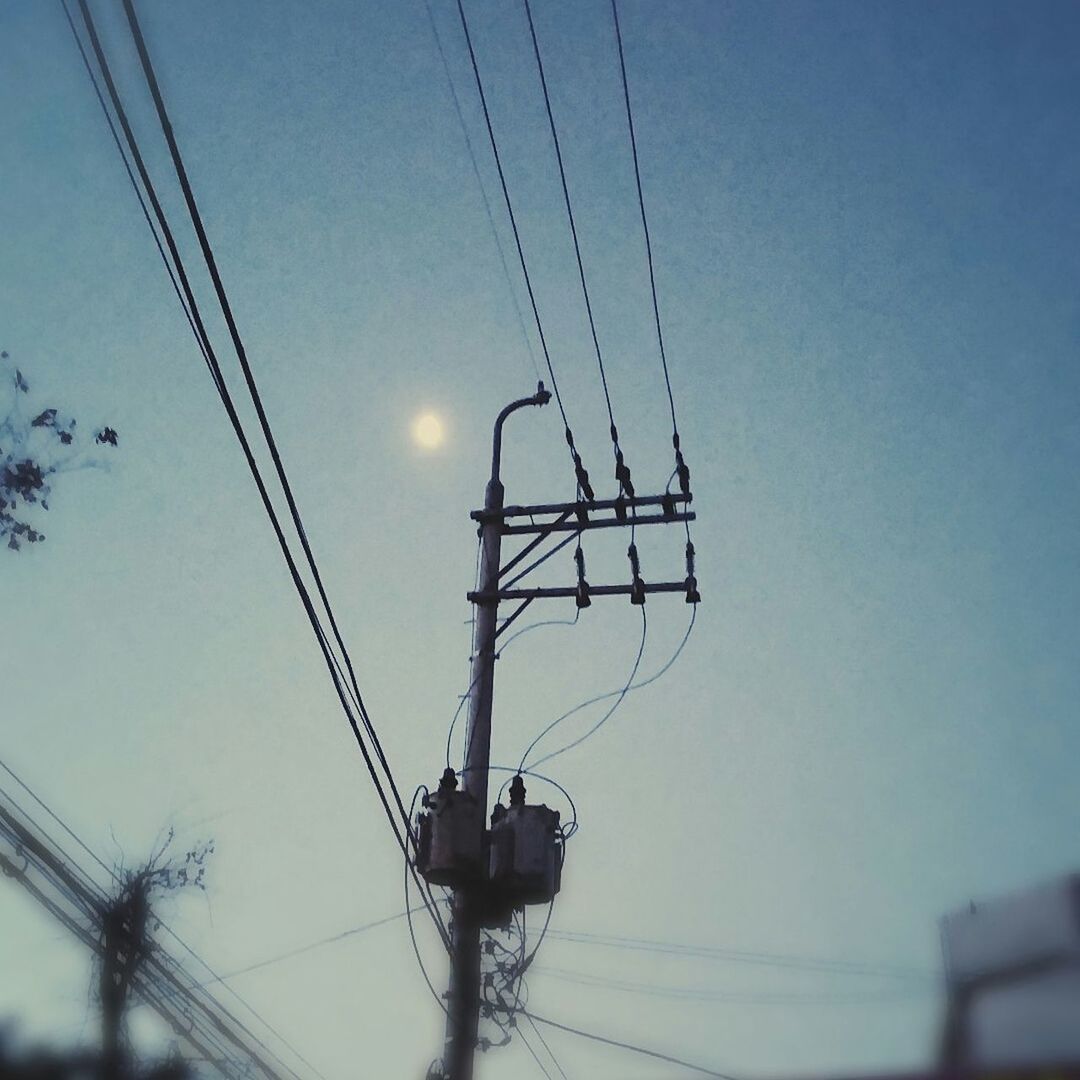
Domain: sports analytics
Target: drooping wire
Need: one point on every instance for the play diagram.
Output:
(480, 184)
(620, 694)
(703, 1069)
(537, 626)
(622, 472)
(579, 469)
(569, 829)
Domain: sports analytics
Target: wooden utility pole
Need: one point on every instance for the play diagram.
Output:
(473, 893)
(463, 996)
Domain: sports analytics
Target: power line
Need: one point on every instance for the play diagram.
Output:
(534, 1054)
(645, 224)
(249, 378)
(544, 1043)
(332, 939)
(704, 1070)
(480, 184)
(622, 471)
(620, 696)
(333, 665)
(134, 184)
(579, 468)
(824, 965)
(705, 995)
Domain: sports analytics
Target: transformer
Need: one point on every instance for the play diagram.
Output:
(450, 836)
(525, 853)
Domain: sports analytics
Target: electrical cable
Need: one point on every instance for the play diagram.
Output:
(249, 378)
(704, 1070)
(340, 685)
(134, 183)
(480, 184)
(579, 468)
(706, 996)
(573, 826)
(300, 950)
(544, 1043)
(535, 1056)
(537, 625)
(822, 965)
(645, 225)
(620, 695)
(622, 472)
(615, 693)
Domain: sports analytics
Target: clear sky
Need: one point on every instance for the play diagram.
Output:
(864, 220)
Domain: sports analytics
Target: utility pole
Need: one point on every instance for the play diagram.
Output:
(454, 844)
(463, 997)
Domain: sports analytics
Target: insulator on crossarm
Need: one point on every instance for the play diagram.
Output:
(622, 475)
(582, 597)
(637, 587)
(583, 478)
(692, 594)
(683, 471)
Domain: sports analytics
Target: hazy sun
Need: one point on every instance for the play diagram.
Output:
(427, 431)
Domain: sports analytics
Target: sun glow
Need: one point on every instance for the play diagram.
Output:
(427, 431)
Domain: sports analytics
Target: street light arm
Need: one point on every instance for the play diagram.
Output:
(541, 397)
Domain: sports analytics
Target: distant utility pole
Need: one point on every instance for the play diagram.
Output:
(457, 849)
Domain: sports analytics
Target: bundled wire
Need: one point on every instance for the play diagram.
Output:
(346, 687)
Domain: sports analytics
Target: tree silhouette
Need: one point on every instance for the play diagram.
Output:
(33, 450)
(126, 937)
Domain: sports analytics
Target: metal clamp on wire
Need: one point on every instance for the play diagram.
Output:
(692, 594)
(582, 598)
(637, 588)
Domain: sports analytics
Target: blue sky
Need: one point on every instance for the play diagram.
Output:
(864, 219)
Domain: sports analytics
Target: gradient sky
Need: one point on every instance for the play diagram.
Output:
(864, 219)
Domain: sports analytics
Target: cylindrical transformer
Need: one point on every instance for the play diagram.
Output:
(525, 856)
(450, 840)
